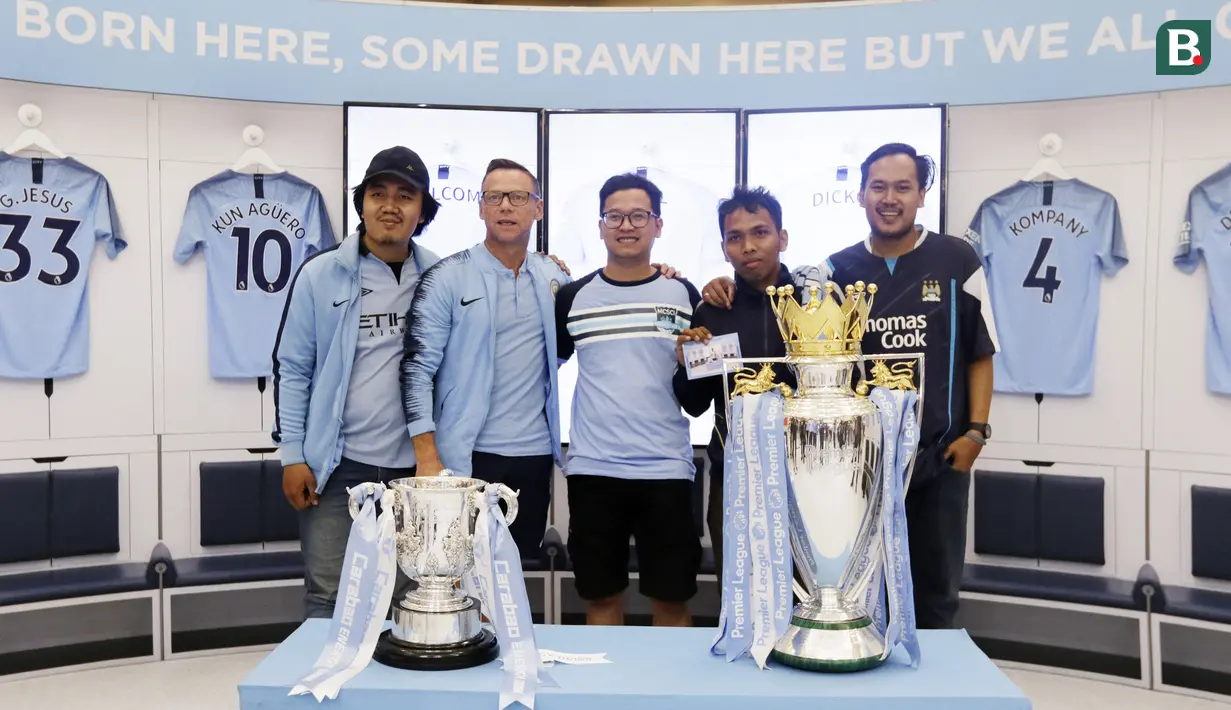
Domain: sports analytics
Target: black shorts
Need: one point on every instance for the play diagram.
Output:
(604, 512)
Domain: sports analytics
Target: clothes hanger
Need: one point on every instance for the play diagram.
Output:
(1047, 167)
(33, 139)
(255, 156)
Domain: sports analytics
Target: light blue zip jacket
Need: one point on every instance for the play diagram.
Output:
(452, 346)
(314, 353)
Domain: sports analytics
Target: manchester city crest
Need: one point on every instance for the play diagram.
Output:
(931, 291)
(555, 287)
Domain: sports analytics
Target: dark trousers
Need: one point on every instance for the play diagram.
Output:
(530, 477)
(324, 530)
(936, 511)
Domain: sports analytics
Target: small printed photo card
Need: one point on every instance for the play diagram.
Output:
(705, 360)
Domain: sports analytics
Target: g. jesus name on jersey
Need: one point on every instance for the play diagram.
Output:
(1206, 235)
(256, 231)
(52, 211)
(1043, 245)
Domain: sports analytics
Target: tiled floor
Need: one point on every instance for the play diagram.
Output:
(210, 684)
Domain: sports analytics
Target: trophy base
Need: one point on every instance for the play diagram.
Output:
(830, 635)
(392, 651)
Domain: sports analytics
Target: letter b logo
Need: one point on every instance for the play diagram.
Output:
(1182, 47)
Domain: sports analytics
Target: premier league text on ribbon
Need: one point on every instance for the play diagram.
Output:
(243, 41)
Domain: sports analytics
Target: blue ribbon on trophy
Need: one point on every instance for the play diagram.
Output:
(757, 564)
(369, 575)
(900, 438)
(497, 581)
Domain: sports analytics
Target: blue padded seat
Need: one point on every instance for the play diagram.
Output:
(1071, 519)
(1031, 583)
(230, 502)
(1211, 529)
(25, 509)
(1198, 604)
(279, 520)
(85, 512)
(77, 582)
(1006, 514)
(73, 582)
(234, 569)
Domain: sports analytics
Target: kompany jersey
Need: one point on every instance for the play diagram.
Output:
(930, 300)
(255, 230)
(626, 421)
(52, 211)
(1206, 235)
(691, 241)
(1045, 246)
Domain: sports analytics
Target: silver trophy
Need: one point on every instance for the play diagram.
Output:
(436, 627)
(833, 442)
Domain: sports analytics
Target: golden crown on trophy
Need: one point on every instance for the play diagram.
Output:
(823, 326)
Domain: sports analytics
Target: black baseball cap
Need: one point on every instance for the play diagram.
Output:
(400, 162)
(405, 164)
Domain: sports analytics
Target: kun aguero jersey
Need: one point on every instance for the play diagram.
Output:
(691, 241)
(930, 300)
(255, 230)
(52, 211)
(1206, 234)
(1043, 245)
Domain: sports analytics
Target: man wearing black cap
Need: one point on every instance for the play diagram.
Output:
(339, 418)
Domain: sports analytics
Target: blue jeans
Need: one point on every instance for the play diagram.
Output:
(324, 530)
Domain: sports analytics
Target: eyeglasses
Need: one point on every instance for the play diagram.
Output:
(517, 198)
(637, 218)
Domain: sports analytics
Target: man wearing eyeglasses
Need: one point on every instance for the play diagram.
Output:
(479, 359)
(630, 464)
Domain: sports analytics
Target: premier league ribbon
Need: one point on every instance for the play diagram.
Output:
(900, 437)
(757, 588)
(369, 575)
(497, 578)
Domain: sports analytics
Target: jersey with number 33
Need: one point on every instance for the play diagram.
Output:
(256, 231)
(1044, 246)
(52, 213)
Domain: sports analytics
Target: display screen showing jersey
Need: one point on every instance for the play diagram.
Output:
(255, 230)
(1045, 247)
(1206, 235)
(810, 161)
(456, 145)
(689, 156)
(52, 212)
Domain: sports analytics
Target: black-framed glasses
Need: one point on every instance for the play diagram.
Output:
(517, 198)
(637, 218)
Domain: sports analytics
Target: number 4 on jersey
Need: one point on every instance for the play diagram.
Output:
(1048, 283)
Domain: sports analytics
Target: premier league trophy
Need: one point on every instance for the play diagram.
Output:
(846, 451)
(435, 627)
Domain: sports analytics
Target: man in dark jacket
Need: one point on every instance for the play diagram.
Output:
(753, 239)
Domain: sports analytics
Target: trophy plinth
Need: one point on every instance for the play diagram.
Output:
(436, 627)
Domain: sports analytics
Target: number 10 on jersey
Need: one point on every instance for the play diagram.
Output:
(250, 256)
(1048, 282)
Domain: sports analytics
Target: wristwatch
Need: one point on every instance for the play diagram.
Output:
(984, 430)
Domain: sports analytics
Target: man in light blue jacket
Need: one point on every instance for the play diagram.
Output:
(479, 370)
(339, 418)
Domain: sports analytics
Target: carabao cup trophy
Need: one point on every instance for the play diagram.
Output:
(443, 532)
(436, 627)
(846, 450)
